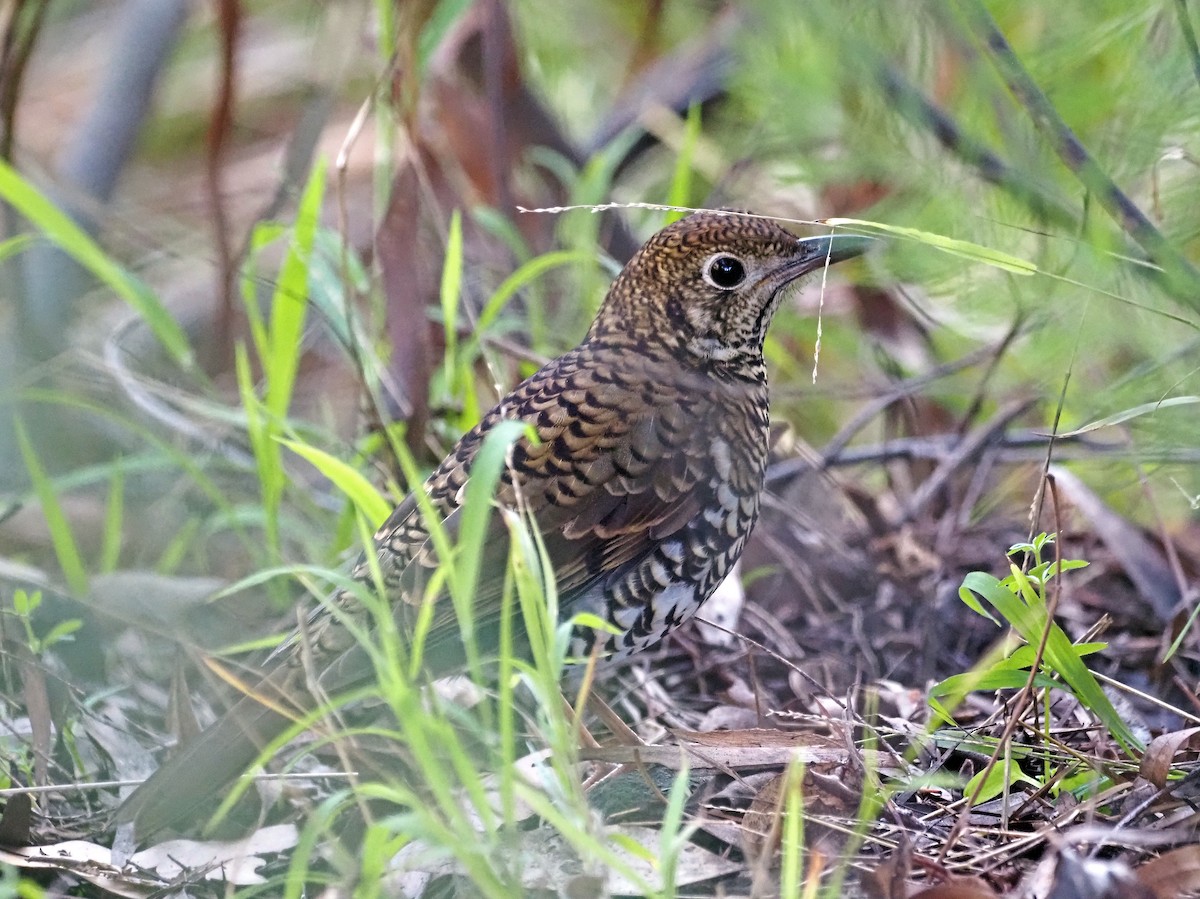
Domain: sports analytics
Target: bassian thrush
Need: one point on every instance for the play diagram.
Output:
(644, 483)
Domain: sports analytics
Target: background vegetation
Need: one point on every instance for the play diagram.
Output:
(262, 264)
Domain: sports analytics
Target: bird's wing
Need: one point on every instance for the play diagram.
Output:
(601, 499)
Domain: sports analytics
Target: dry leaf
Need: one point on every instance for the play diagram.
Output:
(1160, 754)
(1173, 875)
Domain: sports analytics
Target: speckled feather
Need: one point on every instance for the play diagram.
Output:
(630, 496)
(646, 476)
(644, 482)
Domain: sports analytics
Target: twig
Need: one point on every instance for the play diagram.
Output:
(904, 389)
(1013, 448)
(20, 33)
(220, 127)
(968, 449)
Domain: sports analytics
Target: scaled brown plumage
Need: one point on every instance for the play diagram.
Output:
(644, 483)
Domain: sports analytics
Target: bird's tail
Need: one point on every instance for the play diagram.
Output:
(181, 789)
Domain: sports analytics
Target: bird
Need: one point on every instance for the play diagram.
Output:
(644, 483)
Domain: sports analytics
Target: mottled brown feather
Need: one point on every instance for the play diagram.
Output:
(644, 482)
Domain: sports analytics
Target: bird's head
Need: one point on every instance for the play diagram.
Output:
(709, 284)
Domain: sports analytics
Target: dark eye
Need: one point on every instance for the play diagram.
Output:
(726, 272)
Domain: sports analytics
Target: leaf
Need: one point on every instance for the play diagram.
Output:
(1060, 655)
(1174, 873)
(24, 603)
(61, 631)
(976, 606)
(1022, 656)
(1160, 754)
(996, 779)
(114, 513)
(994, 679)
(594, 622)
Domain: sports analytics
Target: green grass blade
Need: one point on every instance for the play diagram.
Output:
(1184, 632)
(675, 833)
(680, 192)
(477, 511)
(114, 516)
(15, 245)
(525, 275)
(1127, 414)
(962, 248)
(457, 369)
(792, 838)
(60, 229)
(65, 547)
(374, 507)
(263, 235)
(271, 478)
(290, 302)
(443, 17)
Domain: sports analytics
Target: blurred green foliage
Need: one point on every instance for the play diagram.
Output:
(809, 117)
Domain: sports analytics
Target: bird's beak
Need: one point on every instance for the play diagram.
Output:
(815, 252)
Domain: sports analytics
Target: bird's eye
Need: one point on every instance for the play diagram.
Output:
(725, 272)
